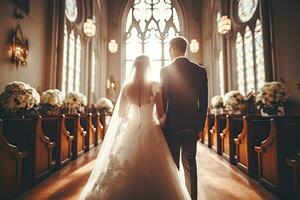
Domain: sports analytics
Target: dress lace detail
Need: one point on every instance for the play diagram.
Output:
(139, 165)
(155, 89)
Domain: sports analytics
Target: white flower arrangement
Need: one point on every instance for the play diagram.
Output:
(271, 97)
(217, 105)
(104, 104)
(217, 102)
(75, 101)
(51, 101)
(233, 101)
(53, 97)
(19, 98)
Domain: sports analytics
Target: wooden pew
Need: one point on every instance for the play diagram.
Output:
(74, 127)
(10, 168)
(90, 139)
(104, 119)
(219, 125)
(294, 164)
(29, 136)
(99, 128)
(54, 127)
(282, 143)
(206, 136)
(255, 129)
(234, 125)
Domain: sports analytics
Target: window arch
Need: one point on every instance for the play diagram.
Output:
(71, 66)
(220, 57)
(249, 53)
(150, 25)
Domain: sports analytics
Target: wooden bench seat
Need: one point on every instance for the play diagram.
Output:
(28, 135)
(90, 139)
(54, 127)
(255, 130)
(283, 142)
(206, 135)
(73, 125)
(219, 125)
(99, 128)
(294, 164)
(234, 125)
(10, 168)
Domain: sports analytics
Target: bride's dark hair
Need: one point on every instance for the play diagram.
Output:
(138, 90)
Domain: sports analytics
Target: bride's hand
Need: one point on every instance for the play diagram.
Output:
(162, 120)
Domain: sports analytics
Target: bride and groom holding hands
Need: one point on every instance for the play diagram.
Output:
(151, 124)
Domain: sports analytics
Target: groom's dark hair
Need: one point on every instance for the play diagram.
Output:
(179, 43)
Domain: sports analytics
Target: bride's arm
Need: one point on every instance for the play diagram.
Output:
(159, 107)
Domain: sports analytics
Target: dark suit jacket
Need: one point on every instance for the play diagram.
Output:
(184, 90)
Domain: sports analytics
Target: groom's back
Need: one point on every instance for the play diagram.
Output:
(185, 86)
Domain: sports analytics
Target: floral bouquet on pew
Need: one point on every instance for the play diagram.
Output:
(233, 102)
(51, 102)
(74, 102)
(271, 98)
(19, 100)
(104, 105)
(217, 105)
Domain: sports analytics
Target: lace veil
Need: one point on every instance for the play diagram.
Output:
(134, 87)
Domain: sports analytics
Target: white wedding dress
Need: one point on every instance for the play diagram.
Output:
(134, 162)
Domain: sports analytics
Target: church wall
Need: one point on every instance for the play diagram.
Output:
(286, 35)
(34, 28)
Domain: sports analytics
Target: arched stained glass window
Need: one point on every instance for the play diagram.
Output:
(249, 62)
(246, 9)
(240, 62)
(149, 27)
(259, 55)
(71, 66)
(249, 46)
(221, 73)
(71, 10)
(78, 64)
(93, 77)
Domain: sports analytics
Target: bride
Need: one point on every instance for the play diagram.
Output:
(134, 162)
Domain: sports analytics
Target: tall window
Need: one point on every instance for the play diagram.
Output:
(72, 50)
(220, 58)
(150, 25)
(249, 47)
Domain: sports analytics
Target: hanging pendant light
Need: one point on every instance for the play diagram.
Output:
(224, 24)
(89, 28)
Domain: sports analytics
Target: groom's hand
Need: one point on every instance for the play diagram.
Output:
(199, 135)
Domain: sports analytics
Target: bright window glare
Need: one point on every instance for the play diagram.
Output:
(157, 24)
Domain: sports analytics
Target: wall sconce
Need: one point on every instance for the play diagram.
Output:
(224, 24)
(113, 46)
(194, 46)
(89, 28)
(19, 47)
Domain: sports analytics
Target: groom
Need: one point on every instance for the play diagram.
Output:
(184, 89)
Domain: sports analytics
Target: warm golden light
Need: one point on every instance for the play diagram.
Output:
(224, 24)
(89, 28)
(194, 46)
(113, 46)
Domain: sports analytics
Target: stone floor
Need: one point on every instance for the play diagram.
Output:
(216, 180)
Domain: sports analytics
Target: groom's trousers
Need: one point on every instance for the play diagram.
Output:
(186, 140)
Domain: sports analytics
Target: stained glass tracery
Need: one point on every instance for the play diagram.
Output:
(149, 27)
(246, 9)
(71, 66)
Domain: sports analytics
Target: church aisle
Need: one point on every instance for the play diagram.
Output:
(216, 180)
